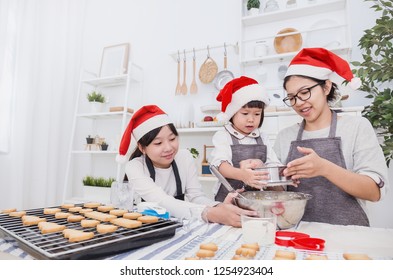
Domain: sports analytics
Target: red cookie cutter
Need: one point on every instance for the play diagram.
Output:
(299, 240)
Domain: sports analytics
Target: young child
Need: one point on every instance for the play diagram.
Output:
(159, 172)
(242, 145)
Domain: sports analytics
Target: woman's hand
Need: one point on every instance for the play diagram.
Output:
(310, 165)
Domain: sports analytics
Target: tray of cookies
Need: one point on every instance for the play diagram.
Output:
(83, 231)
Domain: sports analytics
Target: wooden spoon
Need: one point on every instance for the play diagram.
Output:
(178, 86)
(184, 88)
(193, 86)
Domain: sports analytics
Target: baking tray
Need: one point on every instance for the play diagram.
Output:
(55, 246)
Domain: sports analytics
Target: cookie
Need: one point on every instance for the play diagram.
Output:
(75, 235)
(85, 210)
(202, 253)
(105, 208)
(49, 227)
(254, 246)
(132, 215)
(51, 211)
(351, 256)
(75, 218)
(9, 210)
(148, 219)
(246, 252)
(67, 205)
(103, 228)
(285, 254)
(316, 257)
(209, 246)
(126, 223)
(29, 220)
(17, 214)
(103, 217)
(89, 223)
(62, 215)
(75, 209)
(118, 212)
(91, 204)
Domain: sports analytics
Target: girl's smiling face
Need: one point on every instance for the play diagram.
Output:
(247, 119)
(163, 148)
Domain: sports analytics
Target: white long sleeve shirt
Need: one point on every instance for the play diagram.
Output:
(164, 188)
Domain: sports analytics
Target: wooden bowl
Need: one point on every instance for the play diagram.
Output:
(288, 43)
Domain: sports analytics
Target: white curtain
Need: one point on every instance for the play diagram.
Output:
(42, 78)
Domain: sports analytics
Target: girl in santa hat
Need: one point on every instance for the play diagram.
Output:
(159, 172)
(337, 159)
(242, 146)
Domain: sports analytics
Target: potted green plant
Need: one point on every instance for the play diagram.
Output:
(376, 74)
(104, 146)
(97, 188)
(194, 152)
(253, 7)
(97, 100)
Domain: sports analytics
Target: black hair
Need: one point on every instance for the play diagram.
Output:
(255, 104)
(333, 94)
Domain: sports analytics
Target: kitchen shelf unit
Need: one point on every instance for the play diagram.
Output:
(265, 27)
(320, 24)
(122, 90)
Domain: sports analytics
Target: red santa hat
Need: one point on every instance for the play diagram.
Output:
(237, 93)
(322, 64)
(143, 121)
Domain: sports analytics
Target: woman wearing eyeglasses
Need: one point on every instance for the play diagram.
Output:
(336, 159)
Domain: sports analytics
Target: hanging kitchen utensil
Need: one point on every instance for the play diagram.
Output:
(184, 88)
(178, 86)
(208, 69)
(224, 76)
(193, 86)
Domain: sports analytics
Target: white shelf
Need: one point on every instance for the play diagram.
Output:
(94, 152)
(287, 57)
(107, 81)
(104, 115)
(278, 15)
(199, 129)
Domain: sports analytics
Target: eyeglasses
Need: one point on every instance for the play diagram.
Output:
(303, 95)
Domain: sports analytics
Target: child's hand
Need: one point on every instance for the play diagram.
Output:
(251, 163)
(255, 178)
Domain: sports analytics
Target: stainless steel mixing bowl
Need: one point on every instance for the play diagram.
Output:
(288, 206)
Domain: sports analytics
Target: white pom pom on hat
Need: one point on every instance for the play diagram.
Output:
(237, 93)
(322, 64)
(143, 121)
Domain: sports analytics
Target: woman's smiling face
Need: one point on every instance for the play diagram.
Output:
(163, 148)
(317, 104)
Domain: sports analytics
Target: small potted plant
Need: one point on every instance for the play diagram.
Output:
(97, 188)
(89, 139)
(104, 146)
(97, 100)
(194, 152)
(253, 7)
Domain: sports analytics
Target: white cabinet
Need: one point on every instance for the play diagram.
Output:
(320, 23)
(124, 91)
